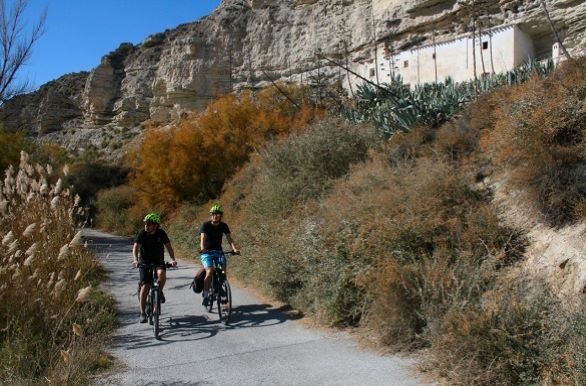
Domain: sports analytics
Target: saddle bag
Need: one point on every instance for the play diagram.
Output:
(197, 283)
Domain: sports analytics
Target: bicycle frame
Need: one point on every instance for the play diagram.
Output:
(220, 293)
(153, 300)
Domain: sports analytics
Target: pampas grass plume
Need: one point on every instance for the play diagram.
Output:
(83, 294)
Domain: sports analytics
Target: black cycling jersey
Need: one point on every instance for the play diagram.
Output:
(214, 233)
(152, 246)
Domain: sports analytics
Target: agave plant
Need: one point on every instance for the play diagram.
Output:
(394, 107)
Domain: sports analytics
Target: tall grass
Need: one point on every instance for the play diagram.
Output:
(52, 315)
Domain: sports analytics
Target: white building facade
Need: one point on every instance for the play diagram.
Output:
(495, 51)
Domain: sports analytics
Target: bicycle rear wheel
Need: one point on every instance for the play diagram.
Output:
(212, 293)
(211, 297)
(225, 302)
(156, 311)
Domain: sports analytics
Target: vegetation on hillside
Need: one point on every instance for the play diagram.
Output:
(539, 137)
(391, 229)
(407, 244)
(191, 161)
(52, 316)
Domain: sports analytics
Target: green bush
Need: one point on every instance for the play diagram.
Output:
(114, 210)
(305, 166)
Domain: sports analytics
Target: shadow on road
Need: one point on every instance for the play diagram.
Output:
(171, 383)
(193, 327)
(116, 254)
(260, 315)
(197, 327)
(173, 329)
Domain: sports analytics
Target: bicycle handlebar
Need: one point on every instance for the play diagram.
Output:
(224, 252)
(151, 265)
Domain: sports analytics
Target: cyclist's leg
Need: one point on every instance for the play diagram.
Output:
(221, 259)
(162, 275)
(144, 290)
(207, 261)
(145, 283)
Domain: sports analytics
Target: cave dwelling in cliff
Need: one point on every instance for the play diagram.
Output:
(494, 51)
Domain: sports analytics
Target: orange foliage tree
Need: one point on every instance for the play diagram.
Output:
(191, 161)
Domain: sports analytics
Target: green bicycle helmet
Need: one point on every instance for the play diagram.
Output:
(152, 217)
(216, 208)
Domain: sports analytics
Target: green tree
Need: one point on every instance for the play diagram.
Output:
(10, 146)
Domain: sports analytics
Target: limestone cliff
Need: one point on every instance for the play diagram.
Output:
(247, 43)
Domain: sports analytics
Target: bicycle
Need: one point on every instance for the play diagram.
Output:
(153, 300)
(220, 292)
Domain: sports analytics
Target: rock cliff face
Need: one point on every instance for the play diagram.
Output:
(248, 43)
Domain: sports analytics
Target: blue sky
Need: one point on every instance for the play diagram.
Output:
(79, 32)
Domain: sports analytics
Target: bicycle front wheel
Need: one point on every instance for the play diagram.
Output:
(149, 308)
(156, 312)
(225, 302)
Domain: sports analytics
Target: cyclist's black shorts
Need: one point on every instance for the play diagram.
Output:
(146, 274)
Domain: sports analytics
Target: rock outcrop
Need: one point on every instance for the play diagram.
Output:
(248, 43)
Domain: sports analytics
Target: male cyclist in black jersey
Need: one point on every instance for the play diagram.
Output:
(211, 233)
(149, 244)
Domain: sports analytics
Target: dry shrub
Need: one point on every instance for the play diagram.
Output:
(271, 195)
(457, 139)
(404, 243)
(46, 279)
(416, 232)
(519, 334)
(417, 222)
(540, 137)
(405, 146)
(191, 161)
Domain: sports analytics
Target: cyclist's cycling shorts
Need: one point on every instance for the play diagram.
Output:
(146, 274)
(211, 258)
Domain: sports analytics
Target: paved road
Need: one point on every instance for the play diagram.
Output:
(263, 345)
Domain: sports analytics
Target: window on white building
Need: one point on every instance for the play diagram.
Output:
(405, 64)
(484, 45)
(371, 72)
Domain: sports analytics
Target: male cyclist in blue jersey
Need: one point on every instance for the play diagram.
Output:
(211, 233)
(149, 247)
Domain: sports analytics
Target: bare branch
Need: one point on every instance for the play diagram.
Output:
(16, 45)
(554, 31)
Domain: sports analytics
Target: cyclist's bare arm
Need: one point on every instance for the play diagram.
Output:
(232, 244)
(202, 238)
(171, 254)
(135, 249)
